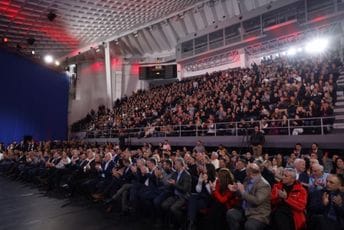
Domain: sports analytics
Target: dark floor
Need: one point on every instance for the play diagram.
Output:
(24, 206)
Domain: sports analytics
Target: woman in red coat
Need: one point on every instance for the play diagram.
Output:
(289, 200)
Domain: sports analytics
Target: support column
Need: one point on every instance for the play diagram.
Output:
(243, 58)
(108, 75)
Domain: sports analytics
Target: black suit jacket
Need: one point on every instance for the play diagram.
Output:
(303, 178)
(108, 171)
(183, 185)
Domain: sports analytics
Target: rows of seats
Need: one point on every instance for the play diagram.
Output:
(190, 188)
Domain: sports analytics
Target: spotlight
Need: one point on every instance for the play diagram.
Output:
(31, 41)
(48, 59)
(51, 16)
(57, 63)
(5, 40)
(317, 45)
(291, 51)
(33, 52)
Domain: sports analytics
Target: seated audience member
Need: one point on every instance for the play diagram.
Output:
(256, 207)
(181, 191)
(224, 199)
(240, 170)
(199, 148)
(317, 180)
(288, 199)
(215, 160)
(326, 206)
(298, 150)
(126, 182)
(327, 162)
(301, 175)
(202, 198)
(266, 173)
(338, 167)
(318, 153)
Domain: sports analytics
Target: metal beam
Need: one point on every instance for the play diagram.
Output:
(146, 41)
(149, 31)
(133, 48)
(163, 35)
(193, 21)
(174, 32)
(108, 75)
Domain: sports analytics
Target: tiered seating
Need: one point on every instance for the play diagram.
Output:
(276, 90)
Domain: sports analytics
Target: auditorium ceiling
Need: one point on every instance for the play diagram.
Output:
(137, 27)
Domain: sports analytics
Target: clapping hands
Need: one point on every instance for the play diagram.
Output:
(282, 194)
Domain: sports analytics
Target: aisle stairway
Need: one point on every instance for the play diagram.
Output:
(339, 106)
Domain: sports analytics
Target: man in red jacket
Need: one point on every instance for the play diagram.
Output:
(289, 200)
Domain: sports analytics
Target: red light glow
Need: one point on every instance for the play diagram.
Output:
(250, 39)
(135, 69)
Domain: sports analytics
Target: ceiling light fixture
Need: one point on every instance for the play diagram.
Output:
(48, 59)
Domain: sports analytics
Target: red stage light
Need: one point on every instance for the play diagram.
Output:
(5, 40)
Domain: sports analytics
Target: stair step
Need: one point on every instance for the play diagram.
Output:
(339, 121)
(339, 110)
(340, 116)
(341, 98)
(338, 125)
(339, 106)
(339, 93)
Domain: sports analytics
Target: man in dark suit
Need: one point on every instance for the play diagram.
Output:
(240, 170)
(301, 175)
(326, 207)
(181, 191)
(256, 207)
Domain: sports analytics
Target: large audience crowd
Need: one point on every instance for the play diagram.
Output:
(272, 92)
(191, 188)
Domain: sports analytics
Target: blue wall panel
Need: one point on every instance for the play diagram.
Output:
(33, 100)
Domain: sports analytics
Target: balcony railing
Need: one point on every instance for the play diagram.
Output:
(311, 126)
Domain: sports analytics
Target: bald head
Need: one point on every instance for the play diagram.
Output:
(333, 182)
(252, 170)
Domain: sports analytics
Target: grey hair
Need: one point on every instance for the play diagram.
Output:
(297, 160)
(319, 166)
(292, 171)
(181, 160)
